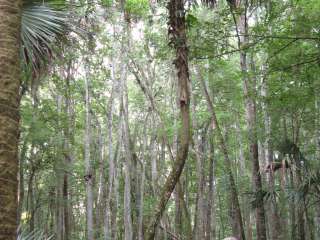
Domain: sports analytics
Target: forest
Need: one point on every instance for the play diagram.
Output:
(159, 120)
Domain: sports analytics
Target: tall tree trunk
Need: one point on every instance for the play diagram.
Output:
(59, 177)
(143, 169)
(150, 97)
(87, 160)
(292, 211)
(245, 201)
(273, 216)
(128, 164)
(110, 193)
(68, 154)
(300, 203)
(10, 14)
(177, 31)
(250, 106)
(127, 167)
(199, 223)
(284, 205)
(30, 198)
(101, 202)
(153, 155)
(22, 159)
(249, 85)
(33, 158)
(178, 213)
(233, 202)
(88, 178)
(115, 191)
(211, 211)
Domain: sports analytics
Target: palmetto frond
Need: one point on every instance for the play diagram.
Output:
(34, 235)
(310, 184)
(41, 27)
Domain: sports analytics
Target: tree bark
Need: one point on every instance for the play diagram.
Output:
(143, 169)
(179, 189)
(199, 226)
(128, 164)
(10, 14)
(59, 177)
(211, 198)
(87, 159)
(245, 201)
(273, 216)
(177, 31)
(68, 152)
(127, 167)
(249, 85)
(111, 176)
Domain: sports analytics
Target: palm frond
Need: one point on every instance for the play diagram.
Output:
(41, 27)
(258, 198)
(312, 179)
(34, 235)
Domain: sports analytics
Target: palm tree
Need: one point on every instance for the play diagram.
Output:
(10, 15)
(33, 29)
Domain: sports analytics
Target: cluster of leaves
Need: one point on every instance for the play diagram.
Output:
(34, 235)
(139, 8)
(43, 24)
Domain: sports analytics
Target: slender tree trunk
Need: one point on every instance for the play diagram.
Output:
(128, 164)
(22, 158)
(10, 11)
(111, 176)
(33, 158)
(143, 162)
(101, 202)
(126, 134)
(178, 217)
(273, 216)
(178, 213)
(149, 95)
(153, 154)
(177, 31)
(87, 160)
(211, 198)
(292, 210)
(31, 207)
(59, 228)
(245, 201)
(309, 223)
(115, 192)
(249, 85)
(89, 181)
(250, 106)
(199, 226)
(127, 169)
(300, 204)
(68, 154)
(284, 204)
(233, 202)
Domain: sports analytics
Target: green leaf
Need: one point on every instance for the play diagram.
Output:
(41, 27)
